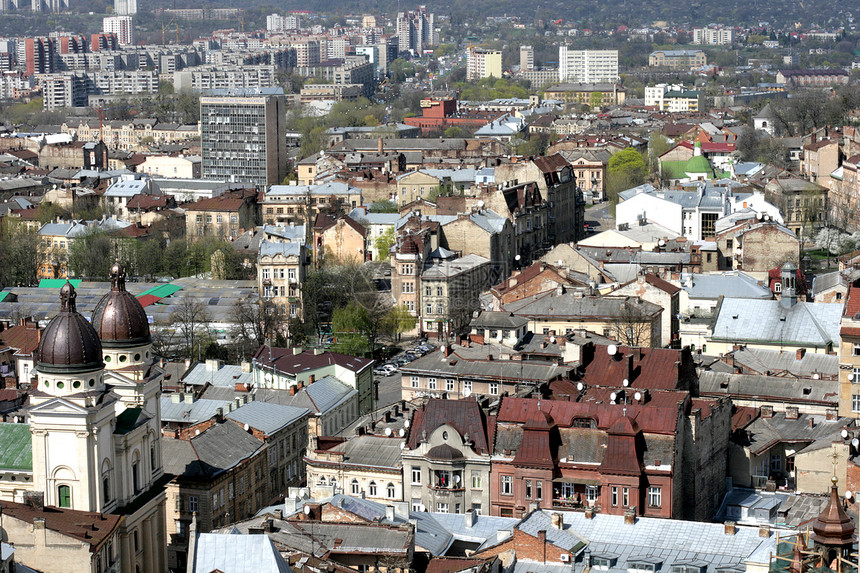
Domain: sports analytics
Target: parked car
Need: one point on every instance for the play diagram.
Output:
(379, 371)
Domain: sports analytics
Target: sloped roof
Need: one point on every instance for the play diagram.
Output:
(268, 418)
(16, 448)
(88, 527)
(237, 554)
(806, 324)
(465, 416)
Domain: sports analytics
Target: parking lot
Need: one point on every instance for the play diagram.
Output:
(389, 386)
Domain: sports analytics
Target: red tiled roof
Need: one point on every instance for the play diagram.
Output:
(31, 214)
(147, 299)
(453, 565)
(653, 368)
(147, 202)
(537, 447)
(527, 274)
(465, 416)
(23, 337)
(661, 284)
(742, 416)
(549, 163)
(132, 231)
(89, 527)
(852, 302)
(717, 147)
(230, 201)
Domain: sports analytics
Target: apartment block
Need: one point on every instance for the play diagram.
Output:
(587, 66)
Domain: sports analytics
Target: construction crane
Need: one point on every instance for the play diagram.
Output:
(164, 27)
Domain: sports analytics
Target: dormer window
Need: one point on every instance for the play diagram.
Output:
(643, 565)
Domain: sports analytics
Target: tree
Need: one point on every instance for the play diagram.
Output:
(632, 326)
(626, 169)
(384, 207)
(350, 325)
(832, 241)
(383, 244)
(20, 248)
(91, 256)
(396, 322)
(658, 144)
(257, 322)
(192, 320)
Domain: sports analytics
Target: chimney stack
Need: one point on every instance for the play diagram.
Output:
(730, 528)
(630, 516)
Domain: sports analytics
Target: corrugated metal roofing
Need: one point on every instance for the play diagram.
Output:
(266, 417)
(162, 291)
(238, 553)
(147, 299)
(58, 283)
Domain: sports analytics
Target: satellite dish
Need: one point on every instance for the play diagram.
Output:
(422, 507)
(307, 510)
(848, 494)
(467, 393)
(625, 382)
(481, 204)
(552, 339)
(613, 396)
(612, 350)
(637, 396)
(844, 433)
(402, 445)
(816, 376)
(661, 242)
(580, 386)
(456, 478)
(517, 258)
(247, 427)
(406, 424)
(387, 431)
(855, 442)
(401, 432)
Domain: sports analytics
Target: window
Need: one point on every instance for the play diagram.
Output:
(777, 287)
(193, 503)
(856, 349)
(614, 499)
(431, 383)
(641, 567)
(655, 497)
(230, 490)
(591, 492)
(855, 374)
(625, 496)
(441, 507)
(729, 244)
(135, 476)
(539, 489)
(353, 486)
(219, 219)
(494, 388)
(427, 291)
(467, 387)
(414, 381)
(214, 500)
(476, 480)
(528, 489)
(389, 491)
(476, 507)
(775, 463)
(416, 505)
(507, 483)
(601, 563)
(438, 291)
(440, 308)
(64, 496)
(373, 489)
(416, 476)
(449, 385)
(428, 309)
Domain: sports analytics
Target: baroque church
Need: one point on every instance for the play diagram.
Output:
(95, 423)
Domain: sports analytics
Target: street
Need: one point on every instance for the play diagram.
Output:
(599, 218)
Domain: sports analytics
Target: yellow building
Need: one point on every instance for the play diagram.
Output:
(482, 63)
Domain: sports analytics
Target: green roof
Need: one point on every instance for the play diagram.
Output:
(698, 164)
(16, 447)
(58, 283)
(4, 294)
(127, 421)
(161, 291)
(674, 169)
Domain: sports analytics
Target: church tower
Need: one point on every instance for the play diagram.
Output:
(97, 431)
(833, 530)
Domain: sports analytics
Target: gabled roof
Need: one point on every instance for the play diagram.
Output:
(285, 360)
(88, 527)
(265, 417)
(235, 553)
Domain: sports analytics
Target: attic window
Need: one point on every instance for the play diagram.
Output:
(584, 423)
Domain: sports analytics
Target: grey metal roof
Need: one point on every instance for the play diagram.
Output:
(320, 397)
(331, 188)
(189, 413)
(573, 305)
(755, 386)
(293, 233)
(731, 284)
(792, 510)
(491, 319)
(270, 249)
(453, 267)
(807, 432)
(267, 417)
(237, 554)
(669, 541)
(372, 451)
(126, 188)
(211, 452)
(456, 365)
(761, 361)
(806, 324)
(226, 375)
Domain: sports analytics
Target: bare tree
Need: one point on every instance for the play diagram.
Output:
(192, 321)
(632, 326)
(257, 322)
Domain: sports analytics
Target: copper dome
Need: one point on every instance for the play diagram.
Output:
(119, 318)
(833, 526)
(70, 343)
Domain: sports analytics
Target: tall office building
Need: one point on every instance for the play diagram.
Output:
(527, 58)
(244, 135)
(124, 7)
(587, 66)
(416, 30)
(122, 27)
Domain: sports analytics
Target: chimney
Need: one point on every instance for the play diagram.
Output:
(389, 513)
(269, 525)
(176, 398)
(730, 528)
(557, 521)
(470, 518)
(35, 500)
(297, 350)
(379, 145)
(630, 516)
(292, 390)
(589, 513)
(764, 531)
(542, 542)
(311, 379)
(801, 352)
(766, 411)
(811, 422)
(791, 412)
(279, 513)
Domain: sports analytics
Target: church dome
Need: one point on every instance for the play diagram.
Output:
(70, 343)
(118, 318)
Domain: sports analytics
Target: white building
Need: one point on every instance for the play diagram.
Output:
(173, 166)
(672, 98)
(587, 66)
(713, 36)
(122, 27)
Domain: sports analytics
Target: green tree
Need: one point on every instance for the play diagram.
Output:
(626, 169)
(383, 244)
(384, 207)
(351, 325)
(21, 256)
(658, 144)
(397, 321)
(91, 256)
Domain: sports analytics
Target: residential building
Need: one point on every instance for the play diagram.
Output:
(849, 356)
(300, 204)
(120, 26)
(803, 204)
(416, 30)
(450, 291)
(589, 167)
(673, 98)
(339, 239)
(651, 288)
(527, 58)
(285, 368)
(713, 36)
(590, 94)
(53, 539)
(226, 215)
(172, 166)
(813, 78)
(243, 136)
(685, 60)
(281, 271)
(821, 157)
(446, 461)
(587, 66)
(757, 246)
(481, 63)
(125, 7)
